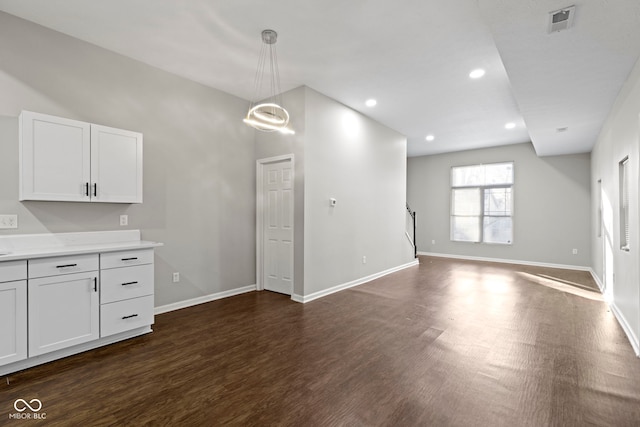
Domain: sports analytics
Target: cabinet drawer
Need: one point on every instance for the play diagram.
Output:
(45, 267)
(126, 258)
(118, 284)
(125, 315)
(13, 270)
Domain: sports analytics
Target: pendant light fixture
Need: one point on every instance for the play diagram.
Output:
(268, 115)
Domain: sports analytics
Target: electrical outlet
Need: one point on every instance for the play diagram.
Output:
(8, 221)
(575, 251)
(433, 242)
(364, 259)
(176, 277)
(124, 220)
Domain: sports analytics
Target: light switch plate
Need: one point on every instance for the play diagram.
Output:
(8, 221)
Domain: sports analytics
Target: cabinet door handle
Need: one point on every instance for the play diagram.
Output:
(129, 316)
(95, 190)
(95, 284)
(129, 259)
(66, 265)
(129, 283)
(86, 189)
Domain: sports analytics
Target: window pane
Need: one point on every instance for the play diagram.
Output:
(477, 175)
(497, 201)
(465, 176)
(497, 229)
(465, 228)
(465, 201)
(498, 173)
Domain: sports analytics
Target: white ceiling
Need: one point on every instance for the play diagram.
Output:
(413, 56)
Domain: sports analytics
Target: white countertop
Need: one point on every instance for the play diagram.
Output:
(30, 246)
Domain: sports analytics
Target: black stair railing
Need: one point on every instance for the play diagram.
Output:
(412, 214)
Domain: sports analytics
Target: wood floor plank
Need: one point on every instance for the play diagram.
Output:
(446, 343)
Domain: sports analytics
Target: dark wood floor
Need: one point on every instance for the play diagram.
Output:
(448, 343)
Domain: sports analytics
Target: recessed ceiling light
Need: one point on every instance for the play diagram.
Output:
(430, 138)
(510, 125)
(477, 73)
(371, 103)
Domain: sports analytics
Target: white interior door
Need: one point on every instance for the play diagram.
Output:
(277, 226)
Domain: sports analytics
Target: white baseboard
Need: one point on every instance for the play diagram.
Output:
(351, 284)
(203, 299)
(633, 340)
(626, 328)
(597, 280)
(508, 261)
(297, 298)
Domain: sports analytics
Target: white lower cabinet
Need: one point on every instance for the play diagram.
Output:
(126, 294)
(13, 319)
(85, 291)
(63, 311)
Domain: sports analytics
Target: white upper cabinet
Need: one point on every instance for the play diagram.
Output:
(116, 165)
(70, 160)
(55, 158)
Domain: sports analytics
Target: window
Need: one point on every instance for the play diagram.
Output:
(482, 203)
(623, 168)
(600, 208)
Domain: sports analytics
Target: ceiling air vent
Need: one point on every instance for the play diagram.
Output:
(561, 19)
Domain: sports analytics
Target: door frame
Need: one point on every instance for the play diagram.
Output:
(260, 165)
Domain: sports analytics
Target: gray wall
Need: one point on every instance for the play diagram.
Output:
(617, 270)
(199, 159)
(362, 164)
(342, 154)
(199, 168)
(551, 205)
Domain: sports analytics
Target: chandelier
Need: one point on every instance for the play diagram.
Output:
(268, 115)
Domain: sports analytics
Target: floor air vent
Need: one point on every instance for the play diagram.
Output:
(562, 19)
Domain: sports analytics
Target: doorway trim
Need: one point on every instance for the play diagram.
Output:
(260, 164)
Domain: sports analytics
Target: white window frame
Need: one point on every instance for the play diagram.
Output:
(623, 168)
(600, 218)
(481, 216)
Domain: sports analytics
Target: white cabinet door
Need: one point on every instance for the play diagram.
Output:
(63, 311)
(54, 158)
(116, 165)
(13, 321)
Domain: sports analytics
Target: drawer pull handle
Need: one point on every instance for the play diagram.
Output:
(129, 283)
(86, 189)
(129, 259)
(130, 316)
(95, 190)
(95, 284)
(66, 265)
